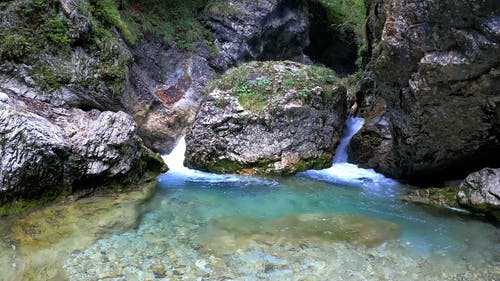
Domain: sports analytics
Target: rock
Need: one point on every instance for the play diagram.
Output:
(225, 235)
(268, 118)
(80, 26)
(372, 146)
(257, 30)
(167, 87)
(435, 65)
(480, 191)
(332, 41)
(48, 150)
(437, 197)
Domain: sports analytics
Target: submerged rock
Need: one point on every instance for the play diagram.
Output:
(38, 243)
(435, 65)
(268, 118)
(48, 150)
(237, 232)
(480, 191)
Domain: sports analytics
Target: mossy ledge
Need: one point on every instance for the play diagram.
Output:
(143, 173)
(259, 84)
(226, 166)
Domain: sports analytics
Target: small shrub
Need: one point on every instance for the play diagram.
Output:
(174, 22)
(14, 47)
(56, 30)
(107, 12)
(257, 84)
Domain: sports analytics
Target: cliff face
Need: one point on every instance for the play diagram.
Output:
(431, 92)
(78, 59)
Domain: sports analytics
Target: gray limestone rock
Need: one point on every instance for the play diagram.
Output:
(48, 150)
(480, 191)
(435, 66)
(268, 118)
(258, 30)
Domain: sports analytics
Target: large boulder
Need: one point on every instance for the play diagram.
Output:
(480, 191)
(435, 65)
(47, 150)
(166, 88)
(257, 30)
(268, 118)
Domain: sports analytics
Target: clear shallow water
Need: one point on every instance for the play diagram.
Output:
(213, 227)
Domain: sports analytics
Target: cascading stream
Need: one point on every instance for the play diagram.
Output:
(350, 174)
(351, 127)
(178, 173)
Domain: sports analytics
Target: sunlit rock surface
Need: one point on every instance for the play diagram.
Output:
(48, 150)
(268, 118)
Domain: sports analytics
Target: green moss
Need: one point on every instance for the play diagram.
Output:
(49, 77)
(21, 206)
(37, 26)
(224, 166)
(174, 21)
(107, 12)
(258, 84)
(14, 46)
(350, 13)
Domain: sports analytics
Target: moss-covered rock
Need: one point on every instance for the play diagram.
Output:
(435, 196)
(268, 118)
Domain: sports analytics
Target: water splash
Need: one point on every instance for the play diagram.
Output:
(178, 174)
(345, 173)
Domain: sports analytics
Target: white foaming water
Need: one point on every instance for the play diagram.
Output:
(179, 173)
(345, 173)
(351, 127)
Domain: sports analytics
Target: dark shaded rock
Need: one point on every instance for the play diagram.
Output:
(49, 150)
(258, 30)
(435, 64)
(268, 118)
(480, 191)
(332, 44)
(166, 88)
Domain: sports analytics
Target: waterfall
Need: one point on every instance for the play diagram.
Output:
(351, 127)
(177, 173)
(175, 160)
(345, 173)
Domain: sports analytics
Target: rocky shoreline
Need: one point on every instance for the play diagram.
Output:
(87, 100)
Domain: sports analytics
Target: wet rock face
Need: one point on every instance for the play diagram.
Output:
(435, 64)
(331, 45)
(480, 191)
(268, 118)
(47, 150)
(259, 30)
(166, 88)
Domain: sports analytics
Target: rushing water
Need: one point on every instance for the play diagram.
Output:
(341, 223)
